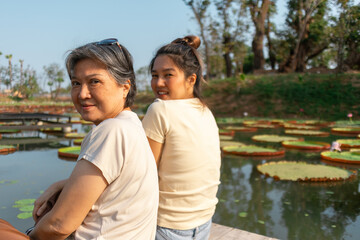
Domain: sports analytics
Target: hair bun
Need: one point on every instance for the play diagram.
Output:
(191, 40)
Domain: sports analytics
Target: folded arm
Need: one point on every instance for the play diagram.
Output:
(79, 194)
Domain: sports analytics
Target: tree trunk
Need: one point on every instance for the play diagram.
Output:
(226, 55)
(200, 19)
(271, 51)
(258, 16)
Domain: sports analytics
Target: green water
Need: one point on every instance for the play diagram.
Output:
(247, 200)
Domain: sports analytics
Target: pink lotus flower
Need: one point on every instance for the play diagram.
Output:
(301, 110)
(350, 115)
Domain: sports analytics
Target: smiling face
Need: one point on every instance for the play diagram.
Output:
(169, 82)
(95, 93)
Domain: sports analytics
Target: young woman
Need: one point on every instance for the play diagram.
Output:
(184, 138)
(112, 192)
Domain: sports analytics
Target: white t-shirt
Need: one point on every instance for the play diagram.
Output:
(127, 209)
(189, 168)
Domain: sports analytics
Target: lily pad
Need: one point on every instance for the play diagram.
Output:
(252, 150)
(230, 143)
(264, 126)
(300, 127)
(78, 141)
(83, 122)
(9, 131)
(307, 133)
(349, 143)
(51, 130)
(24, 215)
(273, 138)
(307, 145)
(27, 208)
(75, 135)
(228, 120)
(318, 123)
(243, 214)
(23, 202)
(226, 132)
(69, 152)
(301, 171)
(7, 148)
(225, 138)
(241, 129)
(345, 157)
(346, 130)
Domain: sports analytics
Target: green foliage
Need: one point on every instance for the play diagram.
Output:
(320, 96)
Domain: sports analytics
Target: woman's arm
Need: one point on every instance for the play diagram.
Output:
(41, 202)
(156, 149)
(79, 194)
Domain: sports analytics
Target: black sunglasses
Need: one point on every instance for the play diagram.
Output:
(109, 42)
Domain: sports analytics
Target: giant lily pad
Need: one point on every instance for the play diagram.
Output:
(230, 143)
(346, 130)
(252, 150)
(318, 123)
(228, 120)
(225, 138)
(349, 143)
(83, 122)
(226, 132)
(306, 145)
(273, 138)
(345, 157)
(52, 130)
(307, 133)
(78, 141)
(241, 129)
(75, 135)
(69, 152)
(301, 171)
(7, 149)
(300, 127)
(9, 131)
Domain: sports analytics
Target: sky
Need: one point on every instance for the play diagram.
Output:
(41, 32)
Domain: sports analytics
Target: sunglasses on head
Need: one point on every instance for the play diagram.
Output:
(109, 42)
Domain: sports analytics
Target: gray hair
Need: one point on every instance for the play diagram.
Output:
(115, 57)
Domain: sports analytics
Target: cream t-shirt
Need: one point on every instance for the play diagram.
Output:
(189, 168)
(127, 209)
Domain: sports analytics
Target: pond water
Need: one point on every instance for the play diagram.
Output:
(247, 200)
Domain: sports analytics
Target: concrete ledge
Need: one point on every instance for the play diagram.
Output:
(220, 232)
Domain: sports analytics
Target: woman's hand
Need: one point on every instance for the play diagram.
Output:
(40, 205)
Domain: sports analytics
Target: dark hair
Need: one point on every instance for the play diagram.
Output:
(116, 58)
(185, 56)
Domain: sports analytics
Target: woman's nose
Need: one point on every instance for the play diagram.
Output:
(160, 82)
(84, 92)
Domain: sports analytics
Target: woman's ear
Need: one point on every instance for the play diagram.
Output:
(126, 87)
(192, 79)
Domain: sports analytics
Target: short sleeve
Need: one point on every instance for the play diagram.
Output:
(106, 148)
(155, 122)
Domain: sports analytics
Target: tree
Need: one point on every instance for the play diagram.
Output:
(307, 33)
(55, 76)
(143, 79)
(10, 74)
(199, 9)
(352, 37)
(29, 86)
(259, 14)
